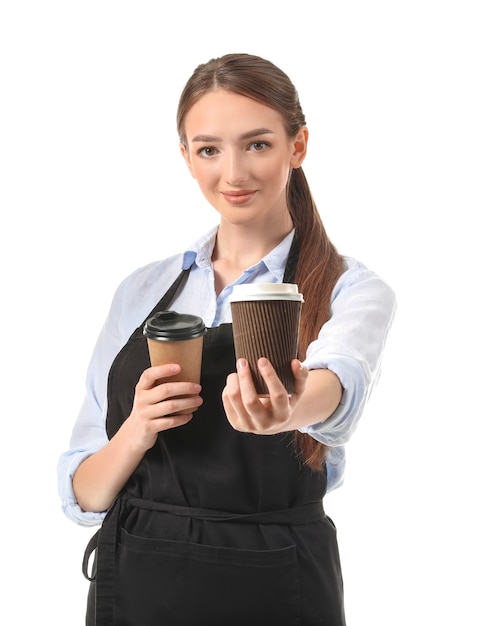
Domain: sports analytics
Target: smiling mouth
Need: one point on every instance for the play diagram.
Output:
(238, 197)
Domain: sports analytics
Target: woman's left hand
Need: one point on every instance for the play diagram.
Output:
(247, 412)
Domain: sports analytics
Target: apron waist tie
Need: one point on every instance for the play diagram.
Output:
(107, 536)
(302, 514)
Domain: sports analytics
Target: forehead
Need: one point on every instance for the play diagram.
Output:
(223, 113)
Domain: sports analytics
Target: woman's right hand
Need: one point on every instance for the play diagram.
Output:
(101, 476)
(155, 404)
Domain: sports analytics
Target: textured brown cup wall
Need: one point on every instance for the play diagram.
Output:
(268, 328)
(188, 354)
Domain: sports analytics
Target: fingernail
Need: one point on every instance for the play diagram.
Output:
(241, 363)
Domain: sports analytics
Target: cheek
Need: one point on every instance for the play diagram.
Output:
(278, 175)
(197, 170)
(205, 176)
(277, 168)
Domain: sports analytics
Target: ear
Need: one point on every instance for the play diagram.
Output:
(186, 155)
(300, 144)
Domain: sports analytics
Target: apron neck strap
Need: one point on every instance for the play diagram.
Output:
(289, 276)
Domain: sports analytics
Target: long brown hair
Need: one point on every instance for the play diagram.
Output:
(319, 264)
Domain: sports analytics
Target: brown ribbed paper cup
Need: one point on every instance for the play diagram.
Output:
(176, 338)
(265, 323)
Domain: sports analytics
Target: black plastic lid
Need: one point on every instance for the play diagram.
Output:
(173, 326)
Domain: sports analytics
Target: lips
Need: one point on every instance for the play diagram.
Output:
(238, 197)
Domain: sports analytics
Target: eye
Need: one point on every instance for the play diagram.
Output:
(258, 146)
(206, 152)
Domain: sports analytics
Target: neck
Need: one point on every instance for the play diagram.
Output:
(238, 248)
(244, 247)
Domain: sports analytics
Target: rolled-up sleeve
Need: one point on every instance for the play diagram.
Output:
(89, 432)
(88, 437)
(351, 345)
(134, 297)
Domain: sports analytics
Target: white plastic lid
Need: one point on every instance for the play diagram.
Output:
(265, 291)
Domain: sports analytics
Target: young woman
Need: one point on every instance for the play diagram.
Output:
(216, 516)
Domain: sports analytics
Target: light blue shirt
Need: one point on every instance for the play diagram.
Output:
(350, 344)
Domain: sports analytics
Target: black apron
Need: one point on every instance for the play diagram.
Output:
(214, 527)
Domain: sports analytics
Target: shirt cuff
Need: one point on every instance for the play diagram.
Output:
(337, 429)
(335, 467)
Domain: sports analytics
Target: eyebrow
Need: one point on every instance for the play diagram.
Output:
(248, 135)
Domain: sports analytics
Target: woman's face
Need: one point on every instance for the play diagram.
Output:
(240, 154)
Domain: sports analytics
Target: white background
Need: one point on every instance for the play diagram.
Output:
(92, 186)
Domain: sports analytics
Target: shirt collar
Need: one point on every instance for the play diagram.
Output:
(200, 253)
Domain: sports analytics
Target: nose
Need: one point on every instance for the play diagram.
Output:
(235, 168)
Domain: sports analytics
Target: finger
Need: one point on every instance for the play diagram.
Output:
(172, 421)
(277, 391)
(231, 395)
(151, 375)
(248, 393)
(234, 404)
(176, 389)
(186, 405)
(232, 387)
(246, 383)
(300, 373)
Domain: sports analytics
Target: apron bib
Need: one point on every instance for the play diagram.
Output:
(215, 527)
